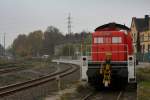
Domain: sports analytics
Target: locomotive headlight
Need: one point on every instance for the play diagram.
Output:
(130, 58)
(108, 55)
(130, 61)
(84, 61)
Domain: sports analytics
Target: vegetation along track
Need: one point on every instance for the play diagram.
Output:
(11, 67)
(10, 89)
(8, 70)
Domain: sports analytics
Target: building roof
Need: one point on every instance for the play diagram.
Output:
(142, 24)
(112, 26)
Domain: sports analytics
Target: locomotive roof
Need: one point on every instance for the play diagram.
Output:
(112, 25)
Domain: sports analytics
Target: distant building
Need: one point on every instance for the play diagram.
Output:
(145, 41)
(58, 49)
(140, 28)
(68, 49)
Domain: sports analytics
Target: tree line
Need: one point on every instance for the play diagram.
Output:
(1, 50)
(38, 43)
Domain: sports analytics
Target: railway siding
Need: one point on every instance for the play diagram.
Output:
(37, 82)
(24, 73)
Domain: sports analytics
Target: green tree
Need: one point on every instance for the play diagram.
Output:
(86, 43)
(52, 37)
(20, 45)
(30, 45)
(1, 50)
(35, 42)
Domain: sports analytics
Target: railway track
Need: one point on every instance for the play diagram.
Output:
(88, 96)
(128, 93)
(10, 89)
(104, 95)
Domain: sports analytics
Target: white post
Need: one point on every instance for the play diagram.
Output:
(58, 84)
(58, 69)
(84, 67)
(131, 69)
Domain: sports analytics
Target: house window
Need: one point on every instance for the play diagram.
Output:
(146, 37)
(116, 40)
(143, 48)
(142, 38)
(134, 37)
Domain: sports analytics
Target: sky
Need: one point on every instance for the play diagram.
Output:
(24, 16)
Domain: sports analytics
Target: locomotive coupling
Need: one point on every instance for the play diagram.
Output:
(106, 70)
(106, 75)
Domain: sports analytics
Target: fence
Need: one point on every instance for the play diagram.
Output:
(143, 57)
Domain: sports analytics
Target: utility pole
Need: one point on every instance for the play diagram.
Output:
(1, 46)
(4, 44)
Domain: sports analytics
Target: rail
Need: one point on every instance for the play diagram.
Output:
(86, 97)
(103, 96)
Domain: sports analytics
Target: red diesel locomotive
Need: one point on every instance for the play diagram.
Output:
(111, 60)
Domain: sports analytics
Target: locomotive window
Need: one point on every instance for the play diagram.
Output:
(98, 40)
(95, 40)
(116, 39)
(107, 39)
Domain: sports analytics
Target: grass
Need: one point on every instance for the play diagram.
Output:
(143, 78)
(24, 63)
(66, 96)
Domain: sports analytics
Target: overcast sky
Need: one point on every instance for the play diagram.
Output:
(24, 16)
